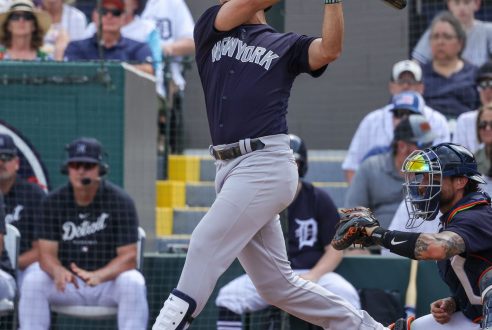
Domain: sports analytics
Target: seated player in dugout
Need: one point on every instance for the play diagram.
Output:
(312, 217)
(22, 205)
(88, 232)
(441, 178)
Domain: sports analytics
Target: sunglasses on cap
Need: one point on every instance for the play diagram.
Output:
(85, 166)
(16, 16)
(115, 12)
(6, 157)
(484, 123)
(485, 84)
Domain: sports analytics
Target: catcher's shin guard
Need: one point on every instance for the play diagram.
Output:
(176, 312)
(485, 282)
(402, 324)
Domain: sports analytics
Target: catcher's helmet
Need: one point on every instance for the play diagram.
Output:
(300, 153)
(423, 170)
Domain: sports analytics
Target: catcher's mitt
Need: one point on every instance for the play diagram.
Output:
(350, 229)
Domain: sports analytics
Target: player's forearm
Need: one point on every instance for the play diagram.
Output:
(185, 46)
(50, 264)
(332, 32)
(439, 246)
(328, 262)
(419, 246)
(145, 67)
(27, 258)
(117, 266)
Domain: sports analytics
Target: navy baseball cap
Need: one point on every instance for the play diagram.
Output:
(7, 145)
(85, 150)
(415, 129)
(484, 72)
(406, 101)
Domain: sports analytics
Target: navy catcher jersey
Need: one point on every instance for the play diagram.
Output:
(22, 208)
(312, 219)
(247, 74)
(471, 218)
(89, 235)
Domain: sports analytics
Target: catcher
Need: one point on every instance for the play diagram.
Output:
(441, 178)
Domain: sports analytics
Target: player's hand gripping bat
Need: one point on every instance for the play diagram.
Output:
(397, 4)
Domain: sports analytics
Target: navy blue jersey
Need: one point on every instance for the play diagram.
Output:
(312, 219)
(22, 208)
(124, 50)
(247, 74)
(5, 264)
(89, 235)
(471, 218)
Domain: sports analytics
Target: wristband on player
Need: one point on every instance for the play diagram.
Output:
(399, 242)
(331, 2)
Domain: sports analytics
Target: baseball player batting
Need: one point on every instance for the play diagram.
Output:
(312, 217)
(247, 70)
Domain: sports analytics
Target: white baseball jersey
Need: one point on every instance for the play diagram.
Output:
(376, 130)
(174, 22)
(466, 131)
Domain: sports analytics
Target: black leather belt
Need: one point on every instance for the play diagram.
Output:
(234, 150)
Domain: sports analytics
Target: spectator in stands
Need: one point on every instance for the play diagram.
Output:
(376, 129)
(466, 125)
(312, 217)
(22, 205)
(449, 81)
(7, 273)
(478, 48)
(135, 28)
(88, 232)
(175, 25)
(484, 129)
(114, 45)
(383, 170)
(22, 29)
(68, 24)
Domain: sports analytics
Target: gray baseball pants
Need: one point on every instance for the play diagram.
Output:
(243, 223)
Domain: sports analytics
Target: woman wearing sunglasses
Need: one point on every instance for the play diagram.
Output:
(484, 134)
(22, 29)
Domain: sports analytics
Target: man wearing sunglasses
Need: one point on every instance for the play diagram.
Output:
(383, 170)
(466, 124)
(110, 44)
(87, 232)
(7, 273)
(376, 128)
(22, 205)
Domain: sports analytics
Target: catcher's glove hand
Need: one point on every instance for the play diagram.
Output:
(351, 228)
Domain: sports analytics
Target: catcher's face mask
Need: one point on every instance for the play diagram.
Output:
(423, 175)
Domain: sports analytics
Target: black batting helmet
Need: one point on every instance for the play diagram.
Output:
(300, 153)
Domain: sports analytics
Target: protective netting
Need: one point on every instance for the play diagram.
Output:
(155, 137)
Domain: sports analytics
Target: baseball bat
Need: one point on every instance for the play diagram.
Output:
(411, 294)
(397, 4)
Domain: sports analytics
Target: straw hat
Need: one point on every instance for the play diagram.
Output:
(43, 18)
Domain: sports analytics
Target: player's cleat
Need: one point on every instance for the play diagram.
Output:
(402, 324)
(176, 314)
